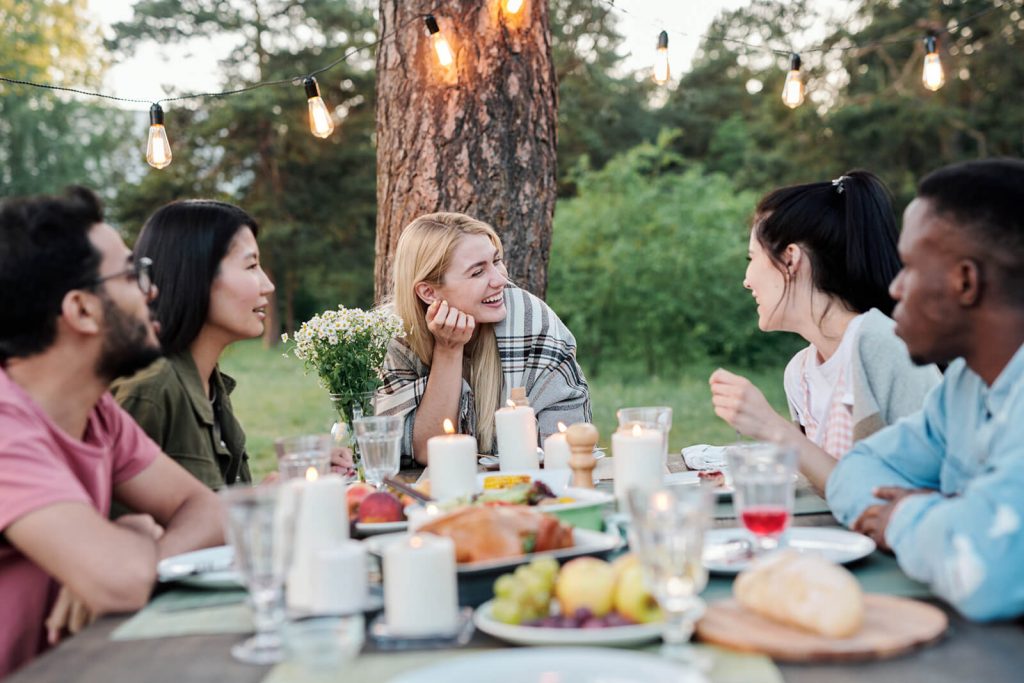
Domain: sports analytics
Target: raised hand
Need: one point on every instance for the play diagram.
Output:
(452, 329)
(744, 407)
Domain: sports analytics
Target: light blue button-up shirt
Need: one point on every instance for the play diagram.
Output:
(967, 443)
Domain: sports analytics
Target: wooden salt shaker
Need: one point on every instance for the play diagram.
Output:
(518, 396)
(582, 438)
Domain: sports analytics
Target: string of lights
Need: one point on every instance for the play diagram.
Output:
(321, 121)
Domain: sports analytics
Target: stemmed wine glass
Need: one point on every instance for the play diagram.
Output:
(667, 535)
(380, 441)
(260, 537)
(762, 477)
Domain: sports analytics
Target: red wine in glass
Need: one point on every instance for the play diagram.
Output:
(766, 520)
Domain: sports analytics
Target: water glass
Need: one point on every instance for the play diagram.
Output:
(763, 476)
(667, 534)
(254, 530)
(296, 454)
(658, 417)
(380, 441)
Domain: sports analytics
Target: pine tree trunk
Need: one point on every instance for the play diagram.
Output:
(478, 137)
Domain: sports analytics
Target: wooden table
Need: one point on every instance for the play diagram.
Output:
(970, 652)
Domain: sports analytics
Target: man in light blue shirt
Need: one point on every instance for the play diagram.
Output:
(944, 488)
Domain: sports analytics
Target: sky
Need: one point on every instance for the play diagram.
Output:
(194, 67)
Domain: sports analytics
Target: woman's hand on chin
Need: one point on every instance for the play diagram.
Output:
(452, 329)
(744, 407)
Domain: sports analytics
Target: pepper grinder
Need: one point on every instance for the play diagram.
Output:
(582, 438)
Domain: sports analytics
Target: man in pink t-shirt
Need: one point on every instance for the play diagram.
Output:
(74, 315)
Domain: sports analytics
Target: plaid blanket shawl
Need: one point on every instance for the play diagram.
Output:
(537, 352)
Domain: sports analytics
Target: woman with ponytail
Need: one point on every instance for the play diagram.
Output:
(821, 257)
(470, 337)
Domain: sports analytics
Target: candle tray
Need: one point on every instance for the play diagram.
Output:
(386, 640)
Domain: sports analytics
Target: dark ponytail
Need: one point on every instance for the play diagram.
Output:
(848, 230)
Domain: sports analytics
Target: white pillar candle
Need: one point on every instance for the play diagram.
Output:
(516, 429)
(556, 450)
(420, 515)
(637, 457)
(452, 462)
(339, 579)
(420, 593)
(322, 523)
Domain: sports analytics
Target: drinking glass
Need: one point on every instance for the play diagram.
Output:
(667, 534)
(380, 440)
(296, 454)
(255, 531)
(657, 417)
(762, 477)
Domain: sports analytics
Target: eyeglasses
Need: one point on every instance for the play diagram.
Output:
(140, 270)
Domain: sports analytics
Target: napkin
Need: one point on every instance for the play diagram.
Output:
(704, 457)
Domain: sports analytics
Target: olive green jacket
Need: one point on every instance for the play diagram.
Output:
(168, 402)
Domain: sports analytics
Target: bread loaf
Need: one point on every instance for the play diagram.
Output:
(806, 591)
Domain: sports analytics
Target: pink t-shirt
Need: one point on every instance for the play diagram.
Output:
(41, 465)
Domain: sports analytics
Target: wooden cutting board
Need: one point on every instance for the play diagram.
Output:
(891, 627)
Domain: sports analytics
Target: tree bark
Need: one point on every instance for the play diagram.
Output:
(478, 137)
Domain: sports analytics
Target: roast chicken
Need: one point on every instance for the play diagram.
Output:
(495, 532)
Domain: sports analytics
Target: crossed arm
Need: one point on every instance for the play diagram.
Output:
(111, 567)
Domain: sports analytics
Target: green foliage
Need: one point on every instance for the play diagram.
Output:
(48, 141)
(647, 265)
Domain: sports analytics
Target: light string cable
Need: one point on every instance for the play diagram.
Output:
(224, 93)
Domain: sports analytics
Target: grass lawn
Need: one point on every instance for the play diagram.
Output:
(274, 398)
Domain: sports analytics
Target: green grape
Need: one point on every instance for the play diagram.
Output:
(505, 586)
(507, 611)
(546, 567)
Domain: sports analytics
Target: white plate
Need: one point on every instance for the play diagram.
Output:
(548, 664)
(374, 528)
(586, 543)
(493, 461)
(692, 478)
(723, 548)
(634, 634)
(206, 568)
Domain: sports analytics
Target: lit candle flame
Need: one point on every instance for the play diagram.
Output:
(312, 474)
(416, 542)
(513, 6)
(562, 427)
(510, 403)
(662, 501)
(638, 430)
(432, 509)
(449, 428)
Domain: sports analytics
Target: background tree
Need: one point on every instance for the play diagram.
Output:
(313, 198)
(478, 136)
(49, 140)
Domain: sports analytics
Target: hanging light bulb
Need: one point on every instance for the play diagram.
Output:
(933, 77)
(320, 123)
(661, 72)
(444, 51)
(158, 150)
(793, 90)
(513, 6)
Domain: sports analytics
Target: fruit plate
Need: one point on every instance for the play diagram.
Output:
(587, 542)
(547, 664)
(207, 568)
(375, 528)
(726, 551)
(633, 634)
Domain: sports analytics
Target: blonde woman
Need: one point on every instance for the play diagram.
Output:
(470, 337)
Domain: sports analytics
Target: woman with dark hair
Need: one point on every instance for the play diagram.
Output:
(822, 256)
(212, 293)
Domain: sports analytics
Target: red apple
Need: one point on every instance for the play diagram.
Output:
(355, 495)
(380, 507)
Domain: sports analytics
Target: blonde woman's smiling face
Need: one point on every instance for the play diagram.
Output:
(475, 280)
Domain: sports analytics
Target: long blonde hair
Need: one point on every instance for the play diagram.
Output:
(423, 254)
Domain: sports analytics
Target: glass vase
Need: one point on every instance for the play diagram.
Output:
(348, 407)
